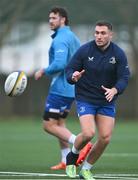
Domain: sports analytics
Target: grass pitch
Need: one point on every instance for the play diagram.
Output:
(27, 152)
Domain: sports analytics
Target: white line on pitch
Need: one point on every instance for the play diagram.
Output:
(121, 154)
(32, 174)
(122, 175)
(99, 176)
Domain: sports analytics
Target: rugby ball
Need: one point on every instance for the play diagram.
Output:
(15, 83)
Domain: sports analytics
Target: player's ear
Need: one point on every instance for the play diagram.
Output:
(63, 19)
(111, 34)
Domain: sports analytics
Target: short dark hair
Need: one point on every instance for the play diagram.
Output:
(62, 12)
(105, 23)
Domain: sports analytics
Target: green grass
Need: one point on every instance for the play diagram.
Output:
(25, 147)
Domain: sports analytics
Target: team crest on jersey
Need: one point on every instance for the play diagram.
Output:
(112, 60)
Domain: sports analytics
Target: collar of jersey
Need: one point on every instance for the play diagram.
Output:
(61, 29)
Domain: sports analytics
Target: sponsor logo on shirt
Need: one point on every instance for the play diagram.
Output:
(60, 51)
(90, 58)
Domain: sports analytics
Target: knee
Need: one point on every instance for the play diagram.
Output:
(47, 127)
(88, 135)
(105, 139)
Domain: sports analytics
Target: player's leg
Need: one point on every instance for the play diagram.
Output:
(65, 150)
(83, 153)
(63, 135)
(56, 111)
(87, 124)
(88, 130)
(105, 125)
(52, 115)
(51, 126)
(64, 147)
(52, 119)
(86, 114)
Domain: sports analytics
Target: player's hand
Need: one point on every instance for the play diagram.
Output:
(109, 93)
(39, 74)
(77, 75)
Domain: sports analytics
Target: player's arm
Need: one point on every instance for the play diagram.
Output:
(77, 75)
(74, 69)
(109, 93)
(38, 74)
(59, 62)
(123, 73)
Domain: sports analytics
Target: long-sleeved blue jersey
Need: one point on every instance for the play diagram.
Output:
(108, 68)
(63, 46)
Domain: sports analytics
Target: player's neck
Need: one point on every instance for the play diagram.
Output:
(103, 48)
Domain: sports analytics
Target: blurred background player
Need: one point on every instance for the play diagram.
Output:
(61, 93)
(100, 72)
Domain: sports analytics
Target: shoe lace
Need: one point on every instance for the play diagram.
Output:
(72, 169)
(87, 173)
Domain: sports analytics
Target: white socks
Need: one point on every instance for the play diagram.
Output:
(74, 150)
(72, 139)
(87, 165)
(64, 153)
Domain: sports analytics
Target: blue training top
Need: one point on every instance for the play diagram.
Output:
(63, 46)
(108, 68)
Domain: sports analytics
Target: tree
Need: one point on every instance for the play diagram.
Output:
(122, 13)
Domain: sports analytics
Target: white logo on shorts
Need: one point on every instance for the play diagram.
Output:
(54, 110)
(82, 109)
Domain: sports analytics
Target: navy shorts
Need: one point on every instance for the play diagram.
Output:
(84, 108)
(58, 104)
